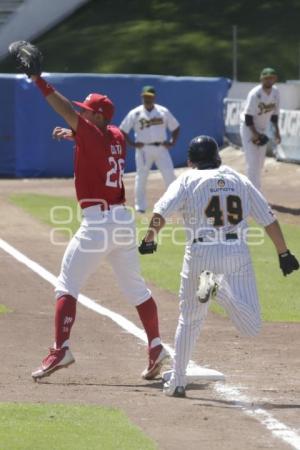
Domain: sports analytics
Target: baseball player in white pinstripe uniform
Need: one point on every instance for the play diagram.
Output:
(150, 123)
(215, 201)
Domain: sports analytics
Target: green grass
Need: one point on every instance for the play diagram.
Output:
(64, 209)
(4, 309)
(61, 427)
(279, 295)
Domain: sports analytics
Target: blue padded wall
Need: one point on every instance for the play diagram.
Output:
(7, 126)
(26, 122)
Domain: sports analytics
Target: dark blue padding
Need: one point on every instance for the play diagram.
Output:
(27, 149)
(7, 126)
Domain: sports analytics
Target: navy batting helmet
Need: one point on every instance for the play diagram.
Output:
(204, 152)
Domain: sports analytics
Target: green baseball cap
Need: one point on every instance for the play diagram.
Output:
(268, 72)
(148, 90)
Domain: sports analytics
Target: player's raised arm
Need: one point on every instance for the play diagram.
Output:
(57, 101)
(28, 60)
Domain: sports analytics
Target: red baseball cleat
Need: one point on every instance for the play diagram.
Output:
(57, 359)
(157, 358)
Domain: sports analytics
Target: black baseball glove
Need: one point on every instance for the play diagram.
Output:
(288, 262)
(261, 140)
(27, 57)
(146, 248)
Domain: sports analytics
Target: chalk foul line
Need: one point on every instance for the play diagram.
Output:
(229, 393)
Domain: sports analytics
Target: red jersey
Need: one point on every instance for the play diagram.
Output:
(99, 165)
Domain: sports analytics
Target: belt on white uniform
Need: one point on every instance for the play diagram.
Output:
(228, 237)
(153, 143)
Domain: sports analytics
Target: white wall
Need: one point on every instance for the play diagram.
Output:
(33, 18)
(289, 92)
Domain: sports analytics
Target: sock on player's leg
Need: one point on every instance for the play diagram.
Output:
(149, 318)
(65, 312)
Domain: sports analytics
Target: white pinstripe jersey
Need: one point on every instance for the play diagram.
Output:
(213, 199)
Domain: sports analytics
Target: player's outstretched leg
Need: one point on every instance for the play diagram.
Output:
(158, 355)
(237, 294)
(60, 356)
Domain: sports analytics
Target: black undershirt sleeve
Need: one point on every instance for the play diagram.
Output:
(248, 120)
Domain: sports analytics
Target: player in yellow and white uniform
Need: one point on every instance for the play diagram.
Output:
(262, 106)
(151, 123)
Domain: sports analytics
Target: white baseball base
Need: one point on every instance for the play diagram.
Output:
(197, 374)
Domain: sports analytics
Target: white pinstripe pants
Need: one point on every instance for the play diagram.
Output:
(255, 156)
(237, 294)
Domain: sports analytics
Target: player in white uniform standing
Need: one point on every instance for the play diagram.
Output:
(215, 202)
(262, 106)
(150, 123)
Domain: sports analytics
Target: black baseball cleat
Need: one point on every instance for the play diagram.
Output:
(173, 391)
(179, 392)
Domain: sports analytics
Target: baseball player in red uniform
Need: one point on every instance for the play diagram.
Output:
(107, 229)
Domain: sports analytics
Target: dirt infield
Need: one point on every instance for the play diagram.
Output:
(109, 361)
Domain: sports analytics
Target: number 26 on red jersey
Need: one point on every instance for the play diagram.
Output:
(115, 174)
